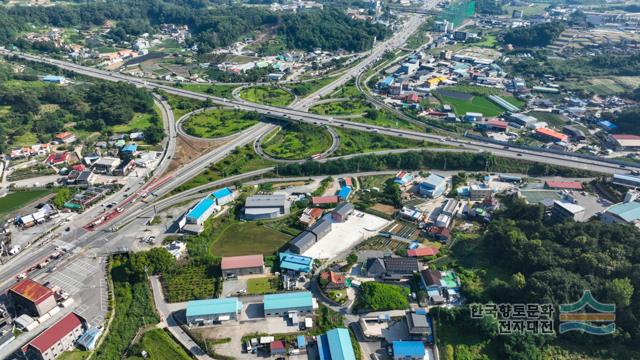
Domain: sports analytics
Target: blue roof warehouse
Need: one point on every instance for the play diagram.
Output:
(281, 304)
(213, 310)
(336, 345)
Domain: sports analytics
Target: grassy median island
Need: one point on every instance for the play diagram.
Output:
(267, 95)
(356, 142)
(219, 90)
(296, 141)
(219, 122)
(342, 107)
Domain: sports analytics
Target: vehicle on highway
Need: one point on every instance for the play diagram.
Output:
(518, 154)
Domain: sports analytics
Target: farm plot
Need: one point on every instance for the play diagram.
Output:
(190, 282)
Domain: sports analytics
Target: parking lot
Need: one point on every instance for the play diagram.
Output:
(80, 277)
(346, 235)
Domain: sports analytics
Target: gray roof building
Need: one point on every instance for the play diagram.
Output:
(401, 265)
(266, 206)
(342, 211)
(302, 242)
(321, 228)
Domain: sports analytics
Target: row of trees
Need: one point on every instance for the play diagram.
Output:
(213, 25)
(425, 159)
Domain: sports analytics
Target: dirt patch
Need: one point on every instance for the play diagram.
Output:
(385, 209)
(188, 150)
(456, 95)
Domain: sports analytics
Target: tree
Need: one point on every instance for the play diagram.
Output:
(154, 134)
(619, 291)
(372, 114)
(63, 194)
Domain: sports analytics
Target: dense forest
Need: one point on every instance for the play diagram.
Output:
(535, 35)
(425, 159)
(542, 261)
(212, 25)
(46, 109)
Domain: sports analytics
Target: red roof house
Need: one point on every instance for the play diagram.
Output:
(65, 137)
(277, 347)
(569, 185)
(57, 158)
(58, 338)
(335, 280)
(324, 200)
(348, 182)
(553, 135)
(440, 233)
(423, 251)
(241, 265)
(31, 297)
(78, 167)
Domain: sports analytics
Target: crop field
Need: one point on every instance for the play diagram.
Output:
(404, 229)
(605, 85)
(189, 283)
(161, 346)
(550, 118)
(219, 122)
(346, 107)
(246, 238)
(297, 141)
(381, 243)
(16, 200)
(267, 95)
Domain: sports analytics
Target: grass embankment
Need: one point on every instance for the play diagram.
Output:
(308, 87)
(296, 141)
(159, 345)
(133, 309)
(240, 161)
(267, 95)
(246, 238)
(219, 122)
(344, 107)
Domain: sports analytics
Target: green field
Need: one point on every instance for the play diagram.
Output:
(346, 107)
(296, 141)
(355, 142)
(139, 122)
(479, 104)
(554, 120)
(246, 238)
(219, 122)
(16, 200)
(181, 105)
(263, 285)
(349, 90)
(189, 282)
(488, 40)
(220, 90)
(161, 346)
(267, 95)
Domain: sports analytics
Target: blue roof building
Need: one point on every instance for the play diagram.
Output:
(54, 79)
(608, 125)
(201, 212)
(223, 196)
(344, 193)
(626, 180)
(386, 83)
(433, 186)
(301, 342)
(336, 345)
(129, 149)
(281, 304)
(625, 213)
(296, 263)
(410, 350)
(403, 178)
(208, 311)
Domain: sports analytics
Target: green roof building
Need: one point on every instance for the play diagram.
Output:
(281, 304)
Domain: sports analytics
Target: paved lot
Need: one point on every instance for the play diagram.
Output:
(346, 235)
(235, 331)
